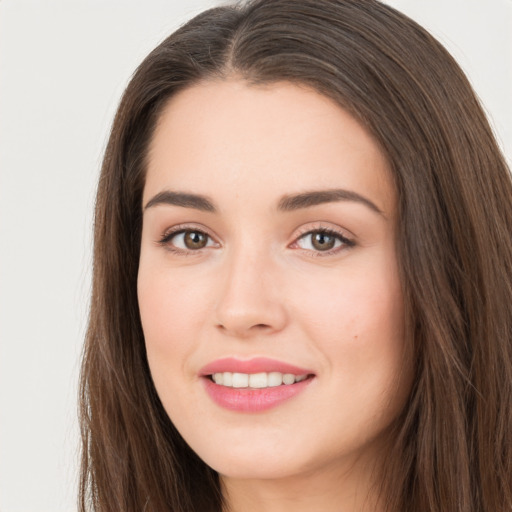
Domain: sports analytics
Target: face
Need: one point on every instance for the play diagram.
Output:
(268, 285)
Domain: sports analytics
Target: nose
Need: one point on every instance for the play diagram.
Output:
(250, 301)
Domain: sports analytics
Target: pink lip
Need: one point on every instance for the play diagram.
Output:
(255, 365)
(252, 400)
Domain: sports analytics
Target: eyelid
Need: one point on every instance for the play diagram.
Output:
(341, 234)
(347, 240)
(169, 233)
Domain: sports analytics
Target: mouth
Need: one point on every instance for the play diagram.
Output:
(255, 385)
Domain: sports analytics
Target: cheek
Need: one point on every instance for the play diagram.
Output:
(171, 313)
(358, 328)
(357, 307)
(171, 303)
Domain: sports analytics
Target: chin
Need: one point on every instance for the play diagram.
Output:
(243, 468)
(248, 457)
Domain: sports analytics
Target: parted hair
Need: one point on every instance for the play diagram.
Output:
(451, 447)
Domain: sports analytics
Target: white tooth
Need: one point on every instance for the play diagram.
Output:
(274, 379)
(258, 380)
(288, 378)
(240, 380)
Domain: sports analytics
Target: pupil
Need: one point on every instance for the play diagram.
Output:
(323, 242)
(195, 240)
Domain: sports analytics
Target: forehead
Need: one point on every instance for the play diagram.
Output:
(228, 137)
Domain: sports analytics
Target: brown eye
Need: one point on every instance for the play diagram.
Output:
(322, 241)
(187, 240)
(195, 239)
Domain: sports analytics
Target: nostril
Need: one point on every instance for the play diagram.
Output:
(244, 331)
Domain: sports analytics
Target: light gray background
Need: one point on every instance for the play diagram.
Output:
(63, 66)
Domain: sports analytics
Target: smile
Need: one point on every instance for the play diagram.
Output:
(256, 380)
(254, 385)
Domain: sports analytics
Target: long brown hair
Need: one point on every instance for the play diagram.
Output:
(452, 445)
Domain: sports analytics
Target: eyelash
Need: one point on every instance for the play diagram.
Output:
(346, 243)
(166, 239)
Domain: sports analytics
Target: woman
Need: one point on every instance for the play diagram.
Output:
(302, 277)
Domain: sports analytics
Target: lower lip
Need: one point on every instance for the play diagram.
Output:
(253, 400)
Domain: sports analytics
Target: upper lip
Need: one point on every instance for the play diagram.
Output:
(254, 365)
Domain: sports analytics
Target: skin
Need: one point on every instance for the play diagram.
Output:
(261, 288)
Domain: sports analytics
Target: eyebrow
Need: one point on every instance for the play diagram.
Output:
(287, 203)
(316, 197)
(183, 199)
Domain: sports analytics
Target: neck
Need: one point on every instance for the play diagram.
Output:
(337, 489)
